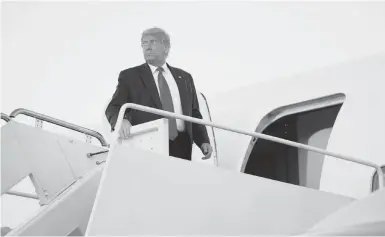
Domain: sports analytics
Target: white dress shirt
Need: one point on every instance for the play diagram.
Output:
(174, 92)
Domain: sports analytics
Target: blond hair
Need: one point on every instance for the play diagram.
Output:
(159, 34)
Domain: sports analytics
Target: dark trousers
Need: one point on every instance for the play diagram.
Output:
(181, 146)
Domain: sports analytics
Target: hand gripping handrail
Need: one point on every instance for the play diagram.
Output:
(5, 117)
(60, 123)
(253, 134)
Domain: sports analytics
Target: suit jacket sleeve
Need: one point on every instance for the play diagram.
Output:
(120, 97)
(199, 131)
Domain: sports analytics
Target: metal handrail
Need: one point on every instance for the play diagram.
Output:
(5, 117)
(212, 129)
(21, 194)
(253, 134)
(60, 123)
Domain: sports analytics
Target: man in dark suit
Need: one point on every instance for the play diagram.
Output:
(156, 84)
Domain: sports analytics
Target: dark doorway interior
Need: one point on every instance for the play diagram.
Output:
(375, 182)
(273, 160)
(281, 162)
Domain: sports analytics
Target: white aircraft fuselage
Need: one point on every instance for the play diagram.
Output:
(347, 101)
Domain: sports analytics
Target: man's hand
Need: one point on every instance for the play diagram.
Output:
(207, 150)
(125, 129)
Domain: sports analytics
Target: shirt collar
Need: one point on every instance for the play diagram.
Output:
(153, 68)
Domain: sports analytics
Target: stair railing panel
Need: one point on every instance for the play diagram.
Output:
(253, 134)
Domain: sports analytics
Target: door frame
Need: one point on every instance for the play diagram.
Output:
(304, 106)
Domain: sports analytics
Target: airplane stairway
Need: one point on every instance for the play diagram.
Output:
(63, 174)
(137, 189)
(154, 194)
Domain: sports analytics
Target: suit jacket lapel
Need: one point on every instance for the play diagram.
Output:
(182, 86)
(148, 80)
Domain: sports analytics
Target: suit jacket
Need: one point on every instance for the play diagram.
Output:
(137, 85)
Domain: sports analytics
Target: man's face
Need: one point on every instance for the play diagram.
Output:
(154, 50)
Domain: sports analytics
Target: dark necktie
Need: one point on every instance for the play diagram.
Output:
(167, 104)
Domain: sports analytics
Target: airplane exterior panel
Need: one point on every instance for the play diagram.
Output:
(153, 194)
(358, 129)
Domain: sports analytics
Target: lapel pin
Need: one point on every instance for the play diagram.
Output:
(179, 76)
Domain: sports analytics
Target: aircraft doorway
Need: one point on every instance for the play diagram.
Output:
(273, 160)
(309, 123)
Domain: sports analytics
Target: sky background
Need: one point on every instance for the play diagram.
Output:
(63, 59)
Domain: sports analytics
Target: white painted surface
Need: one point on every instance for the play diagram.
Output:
(152, 136)
(314, 161)
(357, 131)
(361, 217)
(13, 165)
(15, 209)
(42, 154)
(314, 129)
(76, 152)
(64, 214)
(161, 195)
(55, 162)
